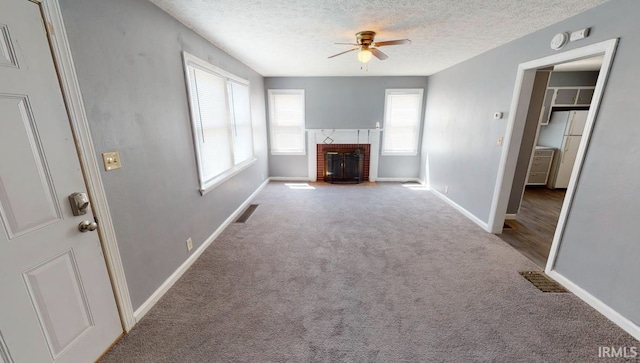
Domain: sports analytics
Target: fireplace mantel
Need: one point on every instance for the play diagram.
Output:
(343, 136)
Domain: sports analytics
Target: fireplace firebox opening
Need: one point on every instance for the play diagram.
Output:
(344, 166)
(337, 161)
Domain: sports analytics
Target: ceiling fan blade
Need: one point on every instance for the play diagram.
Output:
(392, 42)
(378, 54)
(347, 51)
(354, 44)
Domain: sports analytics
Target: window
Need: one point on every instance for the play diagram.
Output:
(220, 120)
(402, 121)
(286, 115)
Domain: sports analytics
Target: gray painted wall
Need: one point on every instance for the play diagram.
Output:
(345, 103)
(129, 64)
(599, 249)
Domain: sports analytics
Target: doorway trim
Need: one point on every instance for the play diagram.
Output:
(515, 128)
(79, 123)
(508, 161)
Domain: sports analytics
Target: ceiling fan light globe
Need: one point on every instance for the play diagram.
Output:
(364, 56)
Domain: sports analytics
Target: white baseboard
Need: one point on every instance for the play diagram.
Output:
(466, 213)
(604, 309)
(157, 295)
(424, 184)
(289, 178)
(510, 216)
(397, 180)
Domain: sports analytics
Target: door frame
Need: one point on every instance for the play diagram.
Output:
(515, 129)
(54, 25)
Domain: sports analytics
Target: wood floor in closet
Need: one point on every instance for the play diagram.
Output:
(532, 231)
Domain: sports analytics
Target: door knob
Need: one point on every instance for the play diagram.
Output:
(86, 226)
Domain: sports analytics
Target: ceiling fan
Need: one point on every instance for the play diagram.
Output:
(368, 48)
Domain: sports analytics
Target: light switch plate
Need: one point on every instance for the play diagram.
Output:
(111, 160)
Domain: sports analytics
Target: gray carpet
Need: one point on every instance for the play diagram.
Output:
(363, 274)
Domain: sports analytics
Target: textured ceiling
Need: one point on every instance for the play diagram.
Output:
(295, 37)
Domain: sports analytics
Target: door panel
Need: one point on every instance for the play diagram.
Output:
(566, 96)
(585, 96)
(59, 300)
(57, 304)
(5, 356)
(24, 175)
(7, 54)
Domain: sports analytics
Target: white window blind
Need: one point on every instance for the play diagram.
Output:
(242, 131)
(220, 120)
(403, 108)
(287, 120)
(211, 124)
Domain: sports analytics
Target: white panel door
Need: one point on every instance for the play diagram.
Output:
(56, 301)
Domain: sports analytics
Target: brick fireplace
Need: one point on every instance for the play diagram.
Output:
(323, 148)
(321, 140)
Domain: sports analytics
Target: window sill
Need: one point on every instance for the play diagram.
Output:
(226, 176)
(399, 153)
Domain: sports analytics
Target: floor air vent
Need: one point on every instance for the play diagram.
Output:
(247, 213)
(540, 280)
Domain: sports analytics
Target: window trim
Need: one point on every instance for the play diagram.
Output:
(287, 91)
(402, 91)
(191, 61)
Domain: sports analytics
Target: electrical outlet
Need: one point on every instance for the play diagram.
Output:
(500, 140)
(446, 189)
(189, 245)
